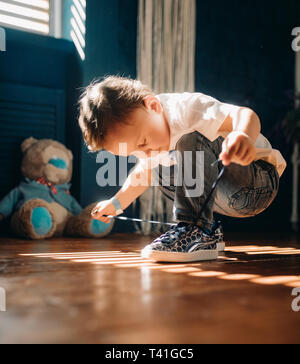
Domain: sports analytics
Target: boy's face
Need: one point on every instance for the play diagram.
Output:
(147, 132)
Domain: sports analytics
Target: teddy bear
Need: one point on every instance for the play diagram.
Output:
(42, 207)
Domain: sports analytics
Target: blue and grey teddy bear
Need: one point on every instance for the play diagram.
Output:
(42, 207)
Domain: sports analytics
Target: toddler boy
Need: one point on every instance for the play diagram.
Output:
(164, 129)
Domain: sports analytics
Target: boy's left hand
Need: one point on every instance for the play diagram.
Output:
(238, 148)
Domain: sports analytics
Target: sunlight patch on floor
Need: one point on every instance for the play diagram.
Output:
(207, 274)
(238, 277)
(263, 250)
(133, 259)
(269, 281)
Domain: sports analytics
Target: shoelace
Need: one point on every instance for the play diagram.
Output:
(214, 186)
(170, 224)
(174, 234)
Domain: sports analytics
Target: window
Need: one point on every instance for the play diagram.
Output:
(30, 15)
(78, 20)
(58, 18)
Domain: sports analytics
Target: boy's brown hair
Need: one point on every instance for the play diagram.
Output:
(107, 104)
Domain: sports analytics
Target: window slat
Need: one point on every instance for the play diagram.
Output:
(78, 23)
(24, 11)
(42, 4)
(31, 15)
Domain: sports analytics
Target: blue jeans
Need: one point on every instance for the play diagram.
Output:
(242, 192)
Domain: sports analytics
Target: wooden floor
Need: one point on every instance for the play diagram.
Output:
(101, 291)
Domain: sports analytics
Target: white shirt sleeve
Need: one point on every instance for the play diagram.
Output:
(189, 112)
(206, 115)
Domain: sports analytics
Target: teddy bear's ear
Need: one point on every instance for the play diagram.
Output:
(27, 144)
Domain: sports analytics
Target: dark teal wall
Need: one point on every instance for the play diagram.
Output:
(110, 50)
(244, 56)
(111, 38)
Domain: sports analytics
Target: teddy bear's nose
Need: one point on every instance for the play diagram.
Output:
(58, 163)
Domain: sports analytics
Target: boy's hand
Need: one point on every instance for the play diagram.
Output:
(1, 217)
(103, 208)
(238, 148)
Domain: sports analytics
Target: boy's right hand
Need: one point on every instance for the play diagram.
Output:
(104, 208)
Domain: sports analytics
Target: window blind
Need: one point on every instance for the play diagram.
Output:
(30, 15)
(78, 25)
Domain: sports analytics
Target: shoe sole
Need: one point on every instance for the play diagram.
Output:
(163, 256)
(221, 246)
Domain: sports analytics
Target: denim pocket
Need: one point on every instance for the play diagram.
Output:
(251, 201)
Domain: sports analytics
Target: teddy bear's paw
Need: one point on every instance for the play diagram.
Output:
(100, 229)
(42, 222)
(34, 221)
(85, 226)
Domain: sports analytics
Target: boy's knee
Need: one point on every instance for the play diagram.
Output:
(187, 142)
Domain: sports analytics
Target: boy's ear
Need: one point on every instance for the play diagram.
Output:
(148, 100)
(27, 144)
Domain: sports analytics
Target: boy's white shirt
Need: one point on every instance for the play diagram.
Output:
(190, 112)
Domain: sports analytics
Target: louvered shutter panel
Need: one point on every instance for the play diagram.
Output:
(25, 112)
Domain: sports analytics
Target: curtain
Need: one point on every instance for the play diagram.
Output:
(165, 62)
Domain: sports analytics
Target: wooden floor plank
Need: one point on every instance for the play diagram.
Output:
(101, 291)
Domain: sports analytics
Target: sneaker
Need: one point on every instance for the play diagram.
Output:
(219, 236)
(183, 243)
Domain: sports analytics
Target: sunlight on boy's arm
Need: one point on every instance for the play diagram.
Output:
(244, 120)
(135, 185)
